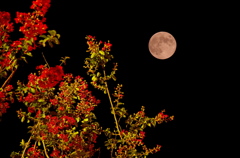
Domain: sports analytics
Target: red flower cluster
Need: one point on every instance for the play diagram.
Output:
(5, 26)
(162, 115)
(30, 98)
(140, 114)
(31, 109)
(5, 62)
(32, 26)
(76, 143)
(52, 124)
(64, 137)
(41, 6)
(49, 77)
(43, 135)
(34, 153)
(107, 46)
(91, 43)
(55, 153)
(55, 124)
(54, 101)
(4, 98)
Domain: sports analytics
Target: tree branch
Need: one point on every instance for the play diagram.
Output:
(114, 114)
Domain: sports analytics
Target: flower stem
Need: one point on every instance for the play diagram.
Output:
(28, 142)
(45, 60)
(8, 78)
(26, 147)
(45, 149)
(114, 114)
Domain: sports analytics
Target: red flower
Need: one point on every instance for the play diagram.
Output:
(31, 109)
(2, 95)
(61, 108)
(38, 113)
(162, 115)
(43, 135)
(3, 107)
(40, 67)
(30, 98)
(8, 87)
(70, 120)
(41, 6)
(64, 137)
(141, 134)
(54, 101)
(34, 153)
(51, 76)
(94, 137)
(16, 43)
(55, 153)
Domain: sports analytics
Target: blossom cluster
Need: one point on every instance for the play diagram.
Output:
(63, 119)
(41, 6)
(5, 97)
(49, 77)
(5, 26)
(33, 152)
(72, 106)
(32, 26)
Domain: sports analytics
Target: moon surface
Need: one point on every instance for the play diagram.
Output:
(162, 45)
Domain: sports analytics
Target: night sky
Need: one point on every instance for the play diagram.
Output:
(147, 81)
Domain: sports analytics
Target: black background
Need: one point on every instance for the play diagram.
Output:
(147, 81)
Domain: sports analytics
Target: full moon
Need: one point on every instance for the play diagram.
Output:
(162, 45)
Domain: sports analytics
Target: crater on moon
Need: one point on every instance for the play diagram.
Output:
(162, 45)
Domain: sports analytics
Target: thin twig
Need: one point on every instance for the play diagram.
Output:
(28, 142)
(9, 78)
(35, 144)
(26, 146)
(45, 59)
(114, 114)
(45, 149)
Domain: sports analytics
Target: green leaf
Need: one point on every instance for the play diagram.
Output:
(98, 74)
(16, 66)
(56, 41)
(24, 58)
(43, 36)
(77, 119)
(102, 52)
(43, 42)
(85, 120)
(25, 90)
(22, 143)
(93, 55)
(41, 100)
(149, 124)
(94, 78)
(23, 118)
(29, 54)
(32, 90)
(52, 32)
(114, 78)
(29, 42)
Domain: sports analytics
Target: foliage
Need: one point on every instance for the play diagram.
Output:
(59, 106)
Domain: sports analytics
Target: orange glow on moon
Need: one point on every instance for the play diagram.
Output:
(162, 45)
